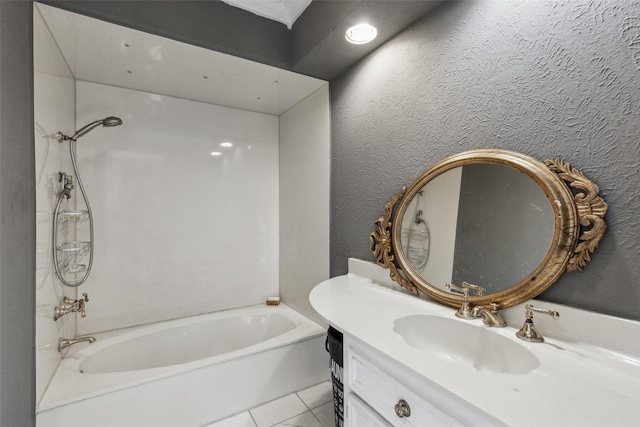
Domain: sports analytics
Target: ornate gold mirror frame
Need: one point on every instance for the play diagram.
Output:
(578, 226)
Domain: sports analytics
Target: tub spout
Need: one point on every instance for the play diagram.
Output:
(68, 342)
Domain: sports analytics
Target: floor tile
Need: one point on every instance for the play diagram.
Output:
(317, 395)
(306, 419)
(240, 420)
(324, 414)
(278, 410)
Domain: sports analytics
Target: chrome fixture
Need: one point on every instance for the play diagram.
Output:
(68, 342)
(106, 122)
(465, 309)
(69, 270)
(68, 305)
(528, 332)
(490, 315)
(402, 409)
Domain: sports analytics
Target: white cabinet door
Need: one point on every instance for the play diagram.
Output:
(361, 415)
(386, 396)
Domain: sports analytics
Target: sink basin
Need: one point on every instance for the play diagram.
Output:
(467, 344)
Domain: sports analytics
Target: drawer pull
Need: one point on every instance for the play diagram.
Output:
(402, 409)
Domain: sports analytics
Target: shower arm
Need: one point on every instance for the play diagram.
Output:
(108, 122)
(80, 132)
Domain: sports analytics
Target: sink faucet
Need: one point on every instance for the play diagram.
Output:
(465, 309)
(68, 342)
(490, 315)
(68, 305)
(528, 332)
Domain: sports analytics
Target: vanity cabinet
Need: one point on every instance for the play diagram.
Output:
(398, 348)
(362, 415)
(380, 393)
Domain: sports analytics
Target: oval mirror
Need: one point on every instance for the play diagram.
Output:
(496, 219)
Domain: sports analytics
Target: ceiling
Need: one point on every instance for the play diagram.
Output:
(314, 45)
(284, 11)
(319, 47)
(318, 35)
(106, 53)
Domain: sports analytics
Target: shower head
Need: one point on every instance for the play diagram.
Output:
(112, 121)
(108, 122)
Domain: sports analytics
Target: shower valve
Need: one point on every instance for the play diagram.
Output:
(68, 305)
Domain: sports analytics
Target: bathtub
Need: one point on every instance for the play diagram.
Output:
(186, 372)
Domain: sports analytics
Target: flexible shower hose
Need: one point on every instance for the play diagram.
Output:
(66, 194)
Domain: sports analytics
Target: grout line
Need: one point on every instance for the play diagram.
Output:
(316, 417)
(305, 403)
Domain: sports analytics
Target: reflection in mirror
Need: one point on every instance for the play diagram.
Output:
(492, 225)
(501, 220)
(416, 238)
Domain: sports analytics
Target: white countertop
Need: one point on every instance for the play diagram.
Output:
(578, 381)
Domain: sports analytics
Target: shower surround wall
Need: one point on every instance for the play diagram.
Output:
(178, 231)
(545, 78)
(54, 102)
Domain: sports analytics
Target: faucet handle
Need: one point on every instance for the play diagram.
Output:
(528, 332)
(81, 304)
(465, 310)
(457, 289)
(530, 309)
(479, 289)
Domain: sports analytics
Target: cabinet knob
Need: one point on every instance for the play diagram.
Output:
(402, 408)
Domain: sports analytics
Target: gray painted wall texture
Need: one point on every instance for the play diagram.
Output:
(504, 230)
(545, 78)
(17, 216)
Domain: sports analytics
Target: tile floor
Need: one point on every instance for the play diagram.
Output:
(311, 407)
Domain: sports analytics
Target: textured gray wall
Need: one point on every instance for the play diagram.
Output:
(17, 216)
(545, 78)
(498, 235)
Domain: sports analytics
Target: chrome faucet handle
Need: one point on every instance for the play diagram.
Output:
(81, 304)
(479, 289)
(464, 312)
(528, 332)
(457, 289)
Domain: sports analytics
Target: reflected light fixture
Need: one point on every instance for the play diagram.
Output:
(216, 153)
(226, 144)
(361, 34)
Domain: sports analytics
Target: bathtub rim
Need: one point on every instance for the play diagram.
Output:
(69, 385)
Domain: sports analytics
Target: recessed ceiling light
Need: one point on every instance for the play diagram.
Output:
(216, 153)
(226, 144)
(361, 34)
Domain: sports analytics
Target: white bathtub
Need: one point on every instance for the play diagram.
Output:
(186, 372)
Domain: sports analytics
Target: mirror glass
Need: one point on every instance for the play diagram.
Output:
(497, 219)
(486, 224)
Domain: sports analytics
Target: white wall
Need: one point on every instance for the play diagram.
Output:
(54, 103)
(178, 231)
(441, 218)
(304, 199)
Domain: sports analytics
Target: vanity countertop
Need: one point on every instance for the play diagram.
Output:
(578, 380)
